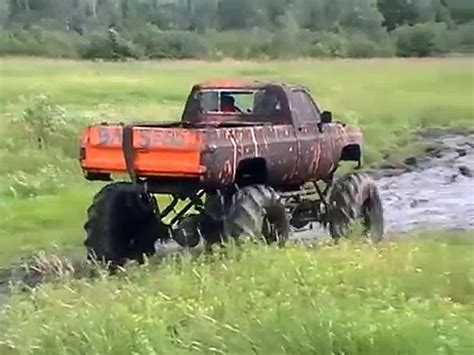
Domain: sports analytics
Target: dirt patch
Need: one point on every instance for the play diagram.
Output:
(45, 267)
(39, 269)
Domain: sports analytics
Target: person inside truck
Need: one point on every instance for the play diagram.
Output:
(228, 104)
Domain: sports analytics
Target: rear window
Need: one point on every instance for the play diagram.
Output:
(250, 102)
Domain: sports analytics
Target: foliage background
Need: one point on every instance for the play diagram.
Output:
(212, 29)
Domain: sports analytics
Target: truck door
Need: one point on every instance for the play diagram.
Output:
(314, 147)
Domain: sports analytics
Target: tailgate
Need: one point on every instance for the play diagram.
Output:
(157, 151)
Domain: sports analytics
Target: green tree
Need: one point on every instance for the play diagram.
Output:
(4, 12)
(236, 14)
(401, 12)
(361, 15)
(204, 15)
(462, 11)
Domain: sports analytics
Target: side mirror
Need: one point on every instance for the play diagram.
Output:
(326, 117)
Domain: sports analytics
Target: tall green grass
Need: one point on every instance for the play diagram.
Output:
(405, 298)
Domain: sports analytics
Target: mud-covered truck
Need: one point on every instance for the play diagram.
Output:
(246, 159)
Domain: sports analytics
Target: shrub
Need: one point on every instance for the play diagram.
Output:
(41, 119)
(288, 45)
(360, 46)
(328, 44)
(178, 45)
(39, 154)
(158, 44)
(460, 39)
(98, 47)
(465, 37)
(43, 125)
(146, 40)
(419, 40)
(242, 44)
(112, 45)
(40, 42)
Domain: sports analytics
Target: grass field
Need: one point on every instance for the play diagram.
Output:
(389, 98)
(412, 297)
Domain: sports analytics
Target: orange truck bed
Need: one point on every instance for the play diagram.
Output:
(157, 151)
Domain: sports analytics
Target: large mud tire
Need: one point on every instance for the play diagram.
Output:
(256, 211)
(355, 197)
(122, 225)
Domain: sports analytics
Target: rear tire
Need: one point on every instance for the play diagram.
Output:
(256, 211)
(122, 225)
(355, 197)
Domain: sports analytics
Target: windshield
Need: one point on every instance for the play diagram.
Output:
(249, 102)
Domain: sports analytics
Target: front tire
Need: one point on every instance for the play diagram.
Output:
(256, 211)
(122, 225)
(355, 197)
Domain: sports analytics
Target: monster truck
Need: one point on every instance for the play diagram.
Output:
(246, 159)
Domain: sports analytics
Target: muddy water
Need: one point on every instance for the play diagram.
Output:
(434, 192)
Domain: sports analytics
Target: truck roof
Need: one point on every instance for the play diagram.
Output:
(239, 83)
(230, 83)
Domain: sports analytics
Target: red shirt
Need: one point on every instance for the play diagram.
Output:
(228, 108)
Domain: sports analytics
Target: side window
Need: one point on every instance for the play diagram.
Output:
(303, 107)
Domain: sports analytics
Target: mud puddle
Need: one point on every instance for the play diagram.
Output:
(433, 192)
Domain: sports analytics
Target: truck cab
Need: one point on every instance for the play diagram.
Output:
(283, 117)
(252, 102)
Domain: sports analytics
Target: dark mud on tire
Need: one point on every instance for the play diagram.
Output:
(122, 225)
(256, 212)
(353, 198)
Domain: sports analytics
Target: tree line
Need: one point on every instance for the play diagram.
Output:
(118, 29)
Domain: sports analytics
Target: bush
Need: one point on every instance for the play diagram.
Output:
(146, 40)
(360, 46)
(242, 44)
(39, 153)
(40, 42)
(98, 47)
(158, 44)
(288, 45)
(328, 44)
(178, 45)
(43, 125)
(419, 40)
(113, 45)
(465, 37)
(41, 120)
(461, 39)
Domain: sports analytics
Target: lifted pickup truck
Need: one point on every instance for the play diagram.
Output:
(247, 159)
